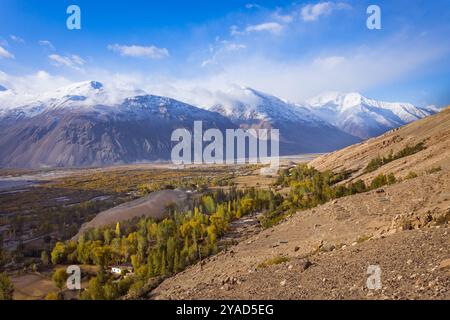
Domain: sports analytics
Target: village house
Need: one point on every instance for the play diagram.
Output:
(123, 269)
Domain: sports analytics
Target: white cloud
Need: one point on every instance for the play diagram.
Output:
(34, 83)
(17, 39)
(328, 62)
(72, 61)
(46, 43)
(232, 47)
(313, 12)
(252, 6)
(234, 31)
(5, 54)
(284, 18)
(345, 69)
(150, 52)
(220, 50)
(273, 27)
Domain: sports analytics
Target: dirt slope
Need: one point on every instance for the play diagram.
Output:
(153, 205)
(434, 131)
(365, 229)
(402, 228)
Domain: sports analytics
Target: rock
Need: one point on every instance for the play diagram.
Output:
(283, 283)
(305, 264)
(445, 264)
(296, 249)
(226, 287)
(328, 248)
(409, 262)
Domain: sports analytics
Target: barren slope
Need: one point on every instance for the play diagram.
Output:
(403, 228)
(434, 131)
(152, 206)
(370, 225)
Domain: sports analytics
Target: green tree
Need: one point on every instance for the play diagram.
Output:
(59, 278)
(6, 287)
(118, 230)
(58, 253)
(94, 290)
(52, 296)
(45, 259)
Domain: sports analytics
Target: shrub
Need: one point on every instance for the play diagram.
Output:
(411, 175)
(434, 170)
(379, 181)
(378, 162)
(274, 261)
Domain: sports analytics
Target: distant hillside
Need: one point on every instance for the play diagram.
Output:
(434, 131)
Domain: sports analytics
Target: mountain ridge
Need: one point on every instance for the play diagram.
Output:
(364, 117)
(89, 123)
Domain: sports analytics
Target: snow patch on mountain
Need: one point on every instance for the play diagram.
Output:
(242, 104)
(82, 96)
(364, 117)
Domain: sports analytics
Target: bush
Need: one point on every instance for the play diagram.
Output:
(6, 287)
(434, 170)
(378, 162)
(274, 261)
(379, 181)
(411, 175)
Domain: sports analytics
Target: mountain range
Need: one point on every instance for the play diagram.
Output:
(90, 124)
(363, 117)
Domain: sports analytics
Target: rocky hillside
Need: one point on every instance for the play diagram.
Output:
(433, 131)
(325, 252)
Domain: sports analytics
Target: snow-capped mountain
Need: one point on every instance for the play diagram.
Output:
(363, 117)
(301, 131)
(87, 125)
(90, 124)
(83, 96)
(247, 104)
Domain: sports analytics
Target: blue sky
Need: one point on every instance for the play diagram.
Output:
(192, 49)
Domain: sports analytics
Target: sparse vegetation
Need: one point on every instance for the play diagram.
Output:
(310, 188)
(274, 261)
(434, 170)
(411, 175)
(378, 162)
(443, 218)
(6, 287)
